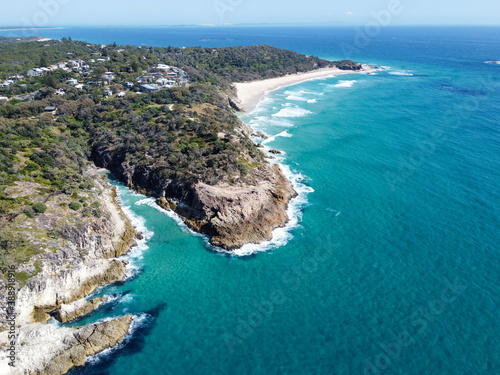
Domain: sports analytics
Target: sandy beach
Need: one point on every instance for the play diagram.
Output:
(251, 93)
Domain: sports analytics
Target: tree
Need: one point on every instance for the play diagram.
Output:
(43, 61)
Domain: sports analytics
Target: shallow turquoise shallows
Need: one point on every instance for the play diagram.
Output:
(394, 264)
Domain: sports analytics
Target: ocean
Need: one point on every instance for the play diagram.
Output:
(391, 261)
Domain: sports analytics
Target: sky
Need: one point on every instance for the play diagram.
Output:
(44, 13)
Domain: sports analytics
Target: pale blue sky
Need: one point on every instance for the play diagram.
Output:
(218, 12)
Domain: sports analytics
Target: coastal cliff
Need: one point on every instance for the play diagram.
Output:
(235, 215)
(232, 208)
(76, 257)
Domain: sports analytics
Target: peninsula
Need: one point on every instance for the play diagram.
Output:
(163, 121)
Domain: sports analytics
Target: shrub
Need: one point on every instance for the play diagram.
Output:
(75, 206)
(29, 212)
(39, 208)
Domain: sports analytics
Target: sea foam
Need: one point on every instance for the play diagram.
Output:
(136, 252)
(292, 112)
(272, 138)
(345, 83)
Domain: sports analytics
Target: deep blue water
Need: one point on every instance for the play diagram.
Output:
(394, 264)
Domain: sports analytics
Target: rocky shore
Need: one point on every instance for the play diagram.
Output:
(48, 350)
(83, 259)
(230, 214)
(235, 215)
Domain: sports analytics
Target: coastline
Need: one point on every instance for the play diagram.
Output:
(250, 94)
(68, 288)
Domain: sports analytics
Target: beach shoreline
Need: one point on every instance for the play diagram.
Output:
(250, 94)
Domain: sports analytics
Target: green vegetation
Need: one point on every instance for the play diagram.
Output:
(75, 206)
(39, 208)
(161, 142)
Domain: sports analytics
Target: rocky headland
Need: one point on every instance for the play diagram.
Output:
(230, 212)
(79, 256)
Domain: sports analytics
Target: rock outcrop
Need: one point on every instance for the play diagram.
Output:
(83, 264)
(232, 212)
(82, 257)
(48, 350)
(233, 215)
(71, 311)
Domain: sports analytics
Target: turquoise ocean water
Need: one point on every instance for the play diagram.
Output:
(391, 264)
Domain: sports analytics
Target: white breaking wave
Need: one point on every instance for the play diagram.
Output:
(292, 112)
(260, 121)
(136, 252)
(151, 202)
(282, 134)
(312, 101)
(345, 83)
(400, 73)
(296, 98)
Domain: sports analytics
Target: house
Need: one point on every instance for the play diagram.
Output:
(51, 109)
(149, 88)
(92, 60)
(80, 86)
(129, 85)
(165, 82)
(3, 98)
(108, 92)
(101, 60)
(60, 92)
(144, 79)
(72, 82)
(163, 67)
(35, 72)
(121, 94)
(108, 76)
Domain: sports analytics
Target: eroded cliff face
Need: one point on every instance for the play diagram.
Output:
(232, 212)
(81, 264)
(233, 215)
(80, 256)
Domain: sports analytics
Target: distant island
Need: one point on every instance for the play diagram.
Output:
(163, 121)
